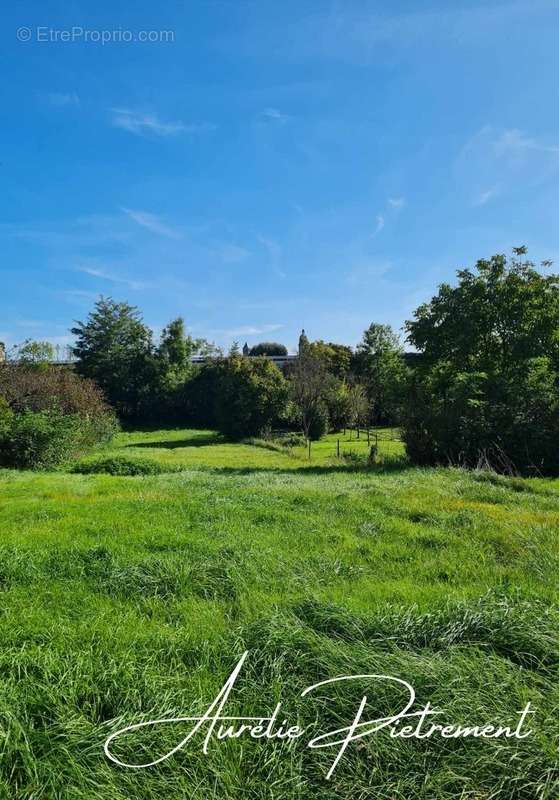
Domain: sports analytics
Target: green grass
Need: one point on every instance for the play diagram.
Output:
(130, 598)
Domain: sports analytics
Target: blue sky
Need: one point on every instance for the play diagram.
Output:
(277, 165)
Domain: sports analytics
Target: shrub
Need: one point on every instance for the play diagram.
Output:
(318, 422)
(248, 396)
(6, 416)
(508, 423)
(291, 440)
(40, 439)
(48, 415)
(27, 387)
(121, 465)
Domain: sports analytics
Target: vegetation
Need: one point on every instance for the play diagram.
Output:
(132, 598)
(268, 349)
(380, 366)
(49, 415)
(487, 388)
(120, 465)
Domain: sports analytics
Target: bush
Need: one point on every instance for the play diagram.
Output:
(239, 396)
(49, 415)
(6, 417)
(40, 439)
(291, 440)
(121, 465)
(318, 422)
(31, 388)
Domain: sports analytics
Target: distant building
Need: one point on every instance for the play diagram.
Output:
(303, 341)
(246, 350)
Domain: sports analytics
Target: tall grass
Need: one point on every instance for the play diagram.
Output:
(131, 598)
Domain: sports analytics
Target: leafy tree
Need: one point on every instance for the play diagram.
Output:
(486, 390)
(308, 387)
(338, 402)
(358, 405)
(337, 358)
(33, 352)
(318, 422)
(175, 351)
(248, 396)
(268, 349)
(496, 317)
(380, 367)
(115, 348)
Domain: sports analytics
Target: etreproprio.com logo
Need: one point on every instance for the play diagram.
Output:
(76, 34)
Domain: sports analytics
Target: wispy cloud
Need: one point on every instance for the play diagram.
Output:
(95, 272)
(397, 203)
(81, 294)
(61, 99)
(365, 273)
(273, 115)
(379, 225)
(251, 330)
(484, 197)
(275, 251)
(143, 124)
(516, 143)
(497, 161)
(152, 223)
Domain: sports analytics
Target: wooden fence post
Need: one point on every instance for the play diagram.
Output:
(338, 449)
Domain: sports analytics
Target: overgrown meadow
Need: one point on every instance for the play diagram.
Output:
(132, 598)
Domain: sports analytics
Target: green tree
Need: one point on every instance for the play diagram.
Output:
(337, 358)
(486, 390)
(248, 394)
(268, 349)
(498, 315)
(115, 348)
(175, 352)
(379, 365)
(358, 405)
(33, 353)
(308, 386)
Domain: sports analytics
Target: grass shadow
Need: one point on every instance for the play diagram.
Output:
(172, 444)
(310, 469)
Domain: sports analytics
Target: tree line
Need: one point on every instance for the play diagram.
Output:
(328, 386)
(483, 389)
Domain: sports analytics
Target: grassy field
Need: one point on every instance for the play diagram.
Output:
(132, 598)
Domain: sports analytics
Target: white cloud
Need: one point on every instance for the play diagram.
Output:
(152, 222)
(108, 276)
(273, 115)
(141, 124)
(365, 273)
(61, 99)
(275, 251)
(397, 203)
(80, 294)
(516, 143)
(379, 225)
(497, 161)
(251, 330)
(484, 197)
